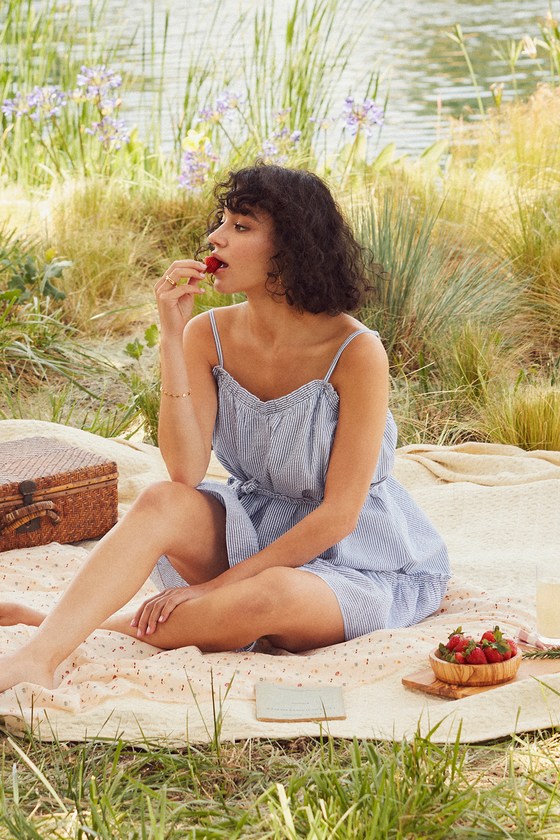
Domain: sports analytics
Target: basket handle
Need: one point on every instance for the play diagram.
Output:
(21, 516)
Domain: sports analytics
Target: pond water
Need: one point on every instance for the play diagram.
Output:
(422, 70)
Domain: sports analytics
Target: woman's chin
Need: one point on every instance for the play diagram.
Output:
(223, 284)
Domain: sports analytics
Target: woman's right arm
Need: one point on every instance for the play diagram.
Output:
(186, 422)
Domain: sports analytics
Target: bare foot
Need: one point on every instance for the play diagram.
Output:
(21, 667)
(12, 613)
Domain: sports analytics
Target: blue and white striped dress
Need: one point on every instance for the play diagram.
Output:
(391, 571)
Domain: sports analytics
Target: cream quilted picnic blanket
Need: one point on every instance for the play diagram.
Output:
(498, 508)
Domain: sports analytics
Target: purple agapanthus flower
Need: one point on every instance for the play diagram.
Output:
(16, 107)
(270, 149)
(112, 133)
(97, 84)
(195, 166)
(282, 142)
(44, 102)
(194, 170)
(361, 117)
(227, 102)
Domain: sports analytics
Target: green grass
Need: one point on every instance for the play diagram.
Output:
(524, 416)
(305, 788)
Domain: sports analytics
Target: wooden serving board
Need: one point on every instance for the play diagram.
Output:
(425, 679)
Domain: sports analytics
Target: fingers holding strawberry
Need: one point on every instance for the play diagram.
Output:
(185, 273)
(175, 291)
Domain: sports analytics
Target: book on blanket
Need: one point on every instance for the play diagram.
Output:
(291, 703)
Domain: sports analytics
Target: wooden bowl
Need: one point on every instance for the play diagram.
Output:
(490, 674)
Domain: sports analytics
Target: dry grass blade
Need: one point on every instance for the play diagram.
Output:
(38, 773)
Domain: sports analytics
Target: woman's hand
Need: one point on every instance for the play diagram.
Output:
(159, 607)
(175, 292)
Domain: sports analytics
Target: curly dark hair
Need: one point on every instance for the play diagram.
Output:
(319, 265)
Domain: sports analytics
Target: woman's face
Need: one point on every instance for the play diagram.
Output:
(244, 242)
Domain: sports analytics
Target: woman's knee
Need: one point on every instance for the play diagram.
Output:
(275, 588)
(189, 524)
(161, 497)
(299, 609)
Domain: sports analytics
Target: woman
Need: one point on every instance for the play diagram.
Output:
(312, 542)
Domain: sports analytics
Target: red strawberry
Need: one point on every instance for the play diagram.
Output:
(489, 636)
(492, 654)
(454, 638)
(476, 656)
(459, 657)
(462, 644)
(512, 646)
(212, 263)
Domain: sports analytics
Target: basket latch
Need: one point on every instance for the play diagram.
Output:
(25, 519)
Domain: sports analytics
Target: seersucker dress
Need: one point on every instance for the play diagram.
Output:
(391, 571)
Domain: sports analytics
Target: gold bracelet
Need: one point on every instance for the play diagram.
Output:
(169, 394)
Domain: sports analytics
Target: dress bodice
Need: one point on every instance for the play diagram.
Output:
(283, 446)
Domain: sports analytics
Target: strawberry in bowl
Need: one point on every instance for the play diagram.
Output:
(464, 660)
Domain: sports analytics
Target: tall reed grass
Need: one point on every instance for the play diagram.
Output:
(503, 182)
(524, 416)
(466, 235)
(427, 283)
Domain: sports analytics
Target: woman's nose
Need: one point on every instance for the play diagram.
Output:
(217, 237)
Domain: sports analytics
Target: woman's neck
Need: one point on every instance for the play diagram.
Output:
(277, 323)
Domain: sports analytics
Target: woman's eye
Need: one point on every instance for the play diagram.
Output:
(239, 226)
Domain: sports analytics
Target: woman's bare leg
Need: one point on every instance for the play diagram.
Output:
(168, 518)
(12, 613)
(295, 609)
(269, 603)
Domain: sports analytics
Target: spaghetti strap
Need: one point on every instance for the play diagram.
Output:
(216, 338)
(341, 349)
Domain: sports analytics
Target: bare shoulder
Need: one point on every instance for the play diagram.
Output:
(364, 353)
(199, 336)
(199, 328)
(224, 317)
(363, 362)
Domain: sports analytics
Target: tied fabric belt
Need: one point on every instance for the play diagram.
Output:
(252, 485)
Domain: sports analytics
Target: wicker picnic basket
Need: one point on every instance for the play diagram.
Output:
(53, 492)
